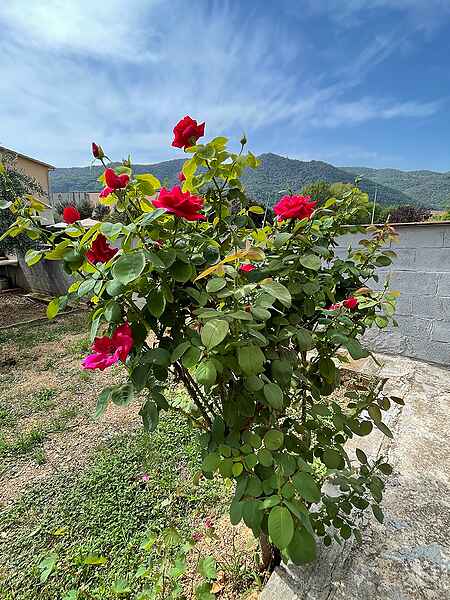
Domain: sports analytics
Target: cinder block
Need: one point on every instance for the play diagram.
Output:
(420, 236)
(429, 306)
(403, 306)
(447, 236)
(441, 331)
(415, 327)
(433, 259)
(437, 352)
(444, 285)
(414, 282)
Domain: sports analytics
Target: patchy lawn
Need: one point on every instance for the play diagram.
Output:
(73, 488)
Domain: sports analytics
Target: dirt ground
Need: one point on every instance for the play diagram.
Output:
(16, 307)
(45, 392)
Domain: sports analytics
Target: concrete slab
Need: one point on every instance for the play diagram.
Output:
(408, 557)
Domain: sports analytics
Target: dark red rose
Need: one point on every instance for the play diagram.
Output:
(247, 268)
(180, 204)
(294, 207)
(351, 303)
(187, 132)
(100, 250)
(114, 182)
(97, 151)
(181, 177)
(71, 214)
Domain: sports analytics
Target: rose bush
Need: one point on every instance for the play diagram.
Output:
(255, 322)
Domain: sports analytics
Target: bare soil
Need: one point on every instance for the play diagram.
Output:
(18, 306)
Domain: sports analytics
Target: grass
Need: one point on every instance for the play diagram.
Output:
(43, 400)
(28, 336)
(105, 511)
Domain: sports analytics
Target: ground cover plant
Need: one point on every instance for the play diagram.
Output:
(254, 321)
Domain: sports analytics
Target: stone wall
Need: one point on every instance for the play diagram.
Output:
(421, 273)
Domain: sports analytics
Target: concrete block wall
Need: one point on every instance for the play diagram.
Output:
(421, 273)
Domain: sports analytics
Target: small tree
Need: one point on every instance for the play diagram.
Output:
(14, 184)
(254, 321)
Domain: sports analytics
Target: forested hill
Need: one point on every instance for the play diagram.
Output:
(429, 188)
(263, 184)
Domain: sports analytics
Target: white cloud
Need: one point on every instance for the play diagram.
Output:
(123, 74)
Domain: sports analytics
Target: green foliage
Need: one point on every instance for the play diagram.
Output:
(239, 340)
(275, 173)
(13, 184)
(429, 188)
(82, 204)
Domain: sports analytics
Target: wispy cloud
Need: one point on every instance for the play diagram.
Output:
(124, 74)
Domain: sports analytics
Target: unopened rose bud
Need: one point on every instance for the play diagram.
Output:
(97, 151)
(243, 140)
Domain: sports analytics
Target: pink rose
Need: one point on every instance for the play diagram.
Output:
(109, 350)
(187, 132)
(294, 207)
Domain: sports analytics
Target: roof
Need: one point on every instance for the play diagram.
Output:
(35, 160)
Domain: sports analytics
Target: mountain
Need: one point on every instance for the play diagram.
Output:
(429, 188)
(274, 175)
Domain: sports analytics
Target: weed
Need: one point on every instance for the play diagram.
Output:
(24, 443)
(85, 376)
(39, 456)
(7, 417)
(80, 347)
(42, 400)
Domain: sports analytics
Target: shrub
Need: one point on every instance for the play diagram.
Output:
(14, 184)
(254, 321)
(83, 206)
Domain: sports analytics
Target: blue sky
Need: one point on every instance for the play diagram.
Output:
(351, 82)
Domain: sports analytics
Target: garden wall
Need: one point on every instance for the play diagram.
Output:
(421, 273)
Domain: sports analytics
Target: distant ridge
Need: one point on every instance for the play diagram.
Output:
(263, 184)
(428, 188)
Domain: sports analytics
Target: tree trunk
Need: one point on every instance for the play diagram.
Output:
(270, 555)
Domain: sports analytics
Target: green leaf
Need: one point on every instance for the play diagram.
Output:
(374, 413)
(378, 513)
(327, 369)
(102, 402)
(114, 288)
(113, 312)
(310, 261)
(274, 395)
(181, 271)
(214, 332)
(215, 284)
(191, 357)
(71, 595)
(355, 349)
(150, 415)
(123, 394)
(148, 183)
(304, 339)
(53, 308)
(281, 526)
(278, 291)
(179, 351)
(210, 462)
(207, 568)
(206, 373)
(302, 548)
(265, 457)
(361, 456)
(46, 566)
(121, 587)
(306, 486)
(251, 359)
(332, 458)
(384, 429)
(33, 256)
(156, 303)
(274, 439)
(94, 559)
(129, 266)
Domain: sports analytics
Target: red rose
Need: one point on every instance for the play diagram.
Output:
(334, 306)
(70, 215)
(180, 204)
(294, 207)
(247, 268)
(114, 182)
(351, 303)
(181, 177)
(187, 132)
(100, 250)
(109, 350)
